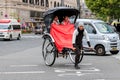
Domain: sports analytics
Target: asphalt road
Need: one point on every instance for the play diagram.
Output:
(22, 60)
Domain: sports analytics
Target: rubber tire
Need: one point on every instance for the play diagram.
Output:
(43, 46)
(73, 58)
(10, 38)
(18, 38)
(100, 50)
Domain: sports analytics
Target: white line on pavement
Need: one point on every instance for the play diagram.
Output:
(23, 65)
(74, 74)
(27, 72)
(87, 64)
(92, 69)
(99, 79)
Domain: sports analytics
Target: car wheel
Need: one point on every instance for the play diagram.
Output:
(10, 38)
(18, 38)
(100, 50)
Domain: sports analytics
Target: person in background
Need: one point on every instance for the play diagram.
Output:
(77, 42)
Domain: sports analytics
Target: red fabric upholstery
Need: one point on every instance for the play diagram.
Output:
(62, 35)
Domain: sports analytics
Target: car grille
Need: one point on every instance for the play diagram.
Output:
(1, 35)
(113, 44)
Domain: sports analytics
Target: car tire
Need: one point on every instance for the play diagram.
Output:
(18, 38)
(100, 50)
(10, 38)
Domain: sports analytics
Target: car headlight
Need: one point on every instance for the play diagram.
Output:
(7, 32)
(1, 33)
(118, 37)
(105, 37)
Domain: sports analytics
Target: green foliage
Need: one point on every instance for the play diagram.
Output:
(104, 8)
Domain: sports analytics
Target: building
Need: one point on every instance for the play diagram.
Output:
(29, 11)
(85, 11)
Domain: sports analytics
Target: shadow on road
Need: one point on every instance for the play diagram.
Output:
(86, 54)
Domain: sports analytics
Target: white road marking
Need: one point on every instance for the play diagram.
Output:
(60, 71)
(93, 69)
(78, 72)
(24, 72)
(99, 79)
(86, 64)
(23, 65)
(70, 74)
(73, 74)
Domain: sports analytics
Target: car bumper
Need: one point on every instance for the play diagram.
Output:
(111, 46)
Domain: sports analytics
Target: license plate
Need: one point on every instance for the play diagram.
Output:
(114, 48)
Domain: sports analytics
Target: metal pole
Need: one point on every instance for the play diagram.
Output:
(6, 9)
(78, 7)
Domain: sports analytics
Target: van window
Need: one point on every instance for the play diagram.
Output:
(9, 27)
(104, 28)
(89, 27)
(15, 27)
(4, 26)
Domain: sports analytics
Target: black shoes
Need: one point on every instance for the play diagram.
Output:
(77, 67)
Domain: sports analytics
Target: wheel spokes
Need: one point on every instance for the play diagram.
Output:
(48, 52)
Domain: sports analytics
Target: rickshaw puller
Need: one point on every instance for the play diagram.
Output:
(77, 42)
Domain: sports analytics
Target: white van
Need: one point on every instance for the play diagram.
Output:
(102, 36)
(10, 29)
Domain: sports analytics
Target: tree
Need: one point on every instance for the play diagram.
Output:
(105, 8)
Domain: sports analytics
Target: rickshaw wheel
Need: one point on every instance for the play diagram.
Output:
(72, 56)
(48, 51)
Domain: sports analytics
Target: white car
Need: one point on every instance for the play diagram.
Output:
(10, 29)
(102, 37)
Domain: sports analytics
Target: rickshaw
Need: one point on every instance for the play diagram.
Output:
(49, 50)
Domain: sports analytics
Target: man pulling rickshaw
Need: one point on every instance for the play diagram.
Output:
(63, 38)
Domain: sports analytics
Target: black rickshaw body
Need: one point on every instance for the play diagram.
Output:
(61, 12)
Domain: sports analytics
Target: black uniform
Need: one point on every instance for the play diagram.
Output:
(77, 43)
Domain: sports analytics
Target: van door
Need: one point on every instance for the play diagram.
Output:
(91, 33)
(16, 29)
(11, 32)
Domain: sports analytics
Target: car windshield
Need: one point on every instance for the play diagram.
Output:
(4, 26)
(104, 27)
